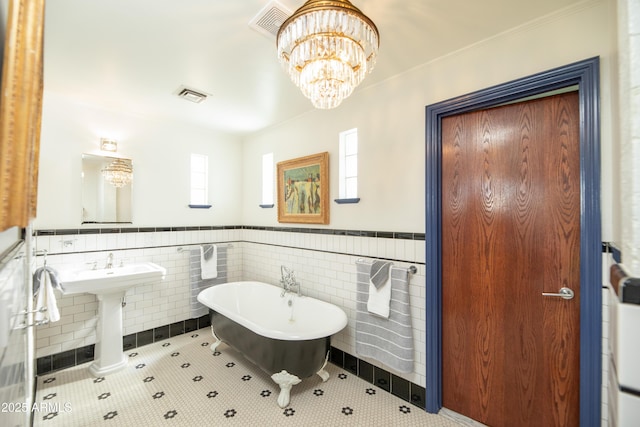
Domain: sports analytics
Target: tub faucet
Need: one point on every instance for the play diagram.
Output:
(295, 285)
(109, 261)
(288, 281)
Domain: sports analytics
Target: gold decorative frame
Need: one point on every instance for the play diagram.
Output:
(20, 112)
(303, 189)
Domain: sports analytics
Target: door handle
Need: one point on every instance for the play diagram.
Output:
(565, 293)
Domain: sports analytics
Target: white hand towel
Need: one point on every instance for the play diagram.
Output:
(379, 298)
(46, 299)
(209, 261)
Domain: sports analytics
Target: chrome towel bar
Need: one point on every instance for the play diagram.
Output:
(223, 245)
(411, 269)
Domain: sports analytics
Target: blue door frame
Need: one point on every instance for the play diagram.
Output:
(585, 74)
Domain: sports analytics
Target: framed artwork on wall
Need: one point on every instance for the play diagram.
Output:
(303, 189)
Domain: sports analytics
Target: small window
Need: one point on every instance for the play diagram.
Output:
(348, 175)
(267, 180)
(199, 180)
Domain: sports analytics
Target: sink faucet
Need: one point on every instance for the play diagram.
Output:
(109, 261)
(288, 281)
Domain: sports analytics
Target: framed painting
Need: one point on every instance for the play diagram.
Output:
(303, 189)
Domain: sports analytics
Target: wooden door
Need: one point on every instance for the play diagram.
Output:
(511, 231)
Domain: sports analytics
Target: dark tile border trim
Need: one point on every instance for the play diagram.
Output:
(70, 358)
(608, 247)
(325, 231)
(398, 386)
(630, 391)
(66, 232)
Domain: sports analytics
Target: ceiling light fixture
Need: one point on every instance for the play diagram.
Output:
(119, 173)
(108, 145)
(327, 47)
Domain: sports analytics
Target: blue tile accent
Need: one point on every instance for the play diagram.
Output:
(347, 201)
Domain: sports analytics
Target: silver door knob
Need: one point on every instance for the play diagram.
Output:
(565, 293)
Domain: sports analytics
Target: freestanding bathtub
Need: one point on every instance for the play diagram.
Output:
(288, 336)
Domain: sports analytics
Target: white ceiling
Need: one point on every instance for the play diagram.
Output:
(132, 55)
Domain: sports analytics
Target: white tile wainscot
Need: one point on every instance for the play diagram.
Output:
(330, 275)
(324, 264)
(147, 306)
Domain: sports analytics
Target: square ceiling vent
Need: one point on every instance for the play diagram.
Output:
(268, 21)
(191, 94)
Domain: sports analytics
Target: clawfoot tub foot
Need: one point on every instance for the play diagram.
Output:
(285, 380)
(217, 342)
(322, 373)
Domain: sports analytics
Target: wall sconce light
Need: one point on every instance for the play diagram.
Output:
(108, 145)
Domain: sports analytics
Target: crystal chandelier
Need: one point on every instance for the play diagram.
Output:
(119, 173)
(327, 47)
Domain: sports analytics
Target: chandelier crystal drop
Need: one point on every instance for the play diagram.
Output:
(327, 47)
(119, 173)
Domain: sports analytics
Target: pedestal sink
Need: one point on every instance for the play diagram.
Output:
(109, 285)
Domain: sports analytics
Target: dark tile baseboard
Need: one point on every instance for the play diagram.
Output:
(398, 386)
(78, 356)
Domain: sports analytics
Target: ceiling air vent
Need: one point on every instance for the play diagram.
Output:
(191, 95)
(270, 18)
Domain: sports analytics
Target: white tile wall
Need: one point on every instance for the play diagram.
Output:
(324, 264)
(325, 267)
(147, 306)
(13, 337)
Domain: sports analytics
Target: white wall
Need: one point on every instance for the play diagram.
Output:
(160, 151)
(390, 118)
(629, 173)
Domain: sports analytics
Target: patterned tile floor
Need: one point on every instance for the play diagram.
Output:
(179, 382)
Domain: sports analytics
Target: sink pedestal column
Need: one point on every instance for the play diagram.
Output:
(109, 357)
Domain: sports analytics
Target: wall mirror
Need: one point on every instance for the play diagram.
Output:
(106, 189)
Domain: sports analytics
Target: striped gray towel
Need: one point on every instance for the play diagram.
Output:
(379, 273)
(389, 341)
(197, 284)
(207, 252)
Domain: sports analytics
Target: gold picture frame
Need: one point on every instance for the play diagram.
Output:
(303, 189)
(20, 112)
